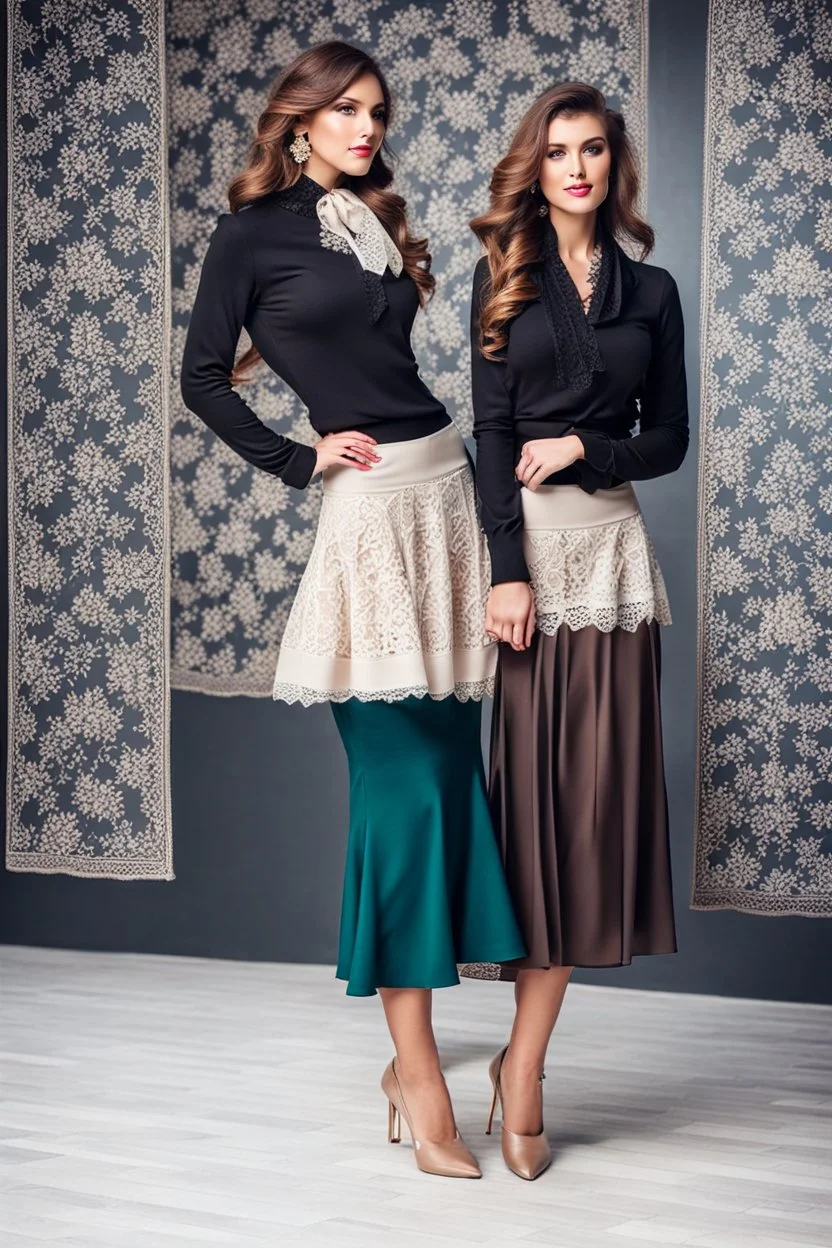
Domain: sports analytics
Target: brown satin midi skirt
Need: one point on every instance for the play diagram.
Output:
(577, 787)
(578, 797)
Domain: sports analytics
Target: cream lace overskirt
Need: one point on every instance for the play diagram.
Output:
(591, 559)
(392, 602)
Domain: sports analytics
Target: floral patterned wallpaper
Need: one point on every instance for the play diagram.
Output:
(764, 819)
(88, 470)
(462, 72)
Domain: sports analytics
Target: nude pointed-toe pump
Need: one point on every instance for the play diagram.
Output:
(526, 1155)
(450, 1158)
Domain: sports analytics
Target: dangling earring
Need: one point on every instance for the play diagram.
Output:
(543, 210)
(301, 149)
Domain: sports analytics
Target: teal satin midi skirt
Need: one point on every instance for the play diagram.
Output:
(424, 888)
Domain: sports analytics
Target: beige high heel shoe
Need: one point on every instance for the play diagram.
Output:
(451, 1159)
(526, 1155)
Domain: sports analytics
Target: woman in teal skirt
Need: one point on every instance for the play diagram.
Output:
(315, 260)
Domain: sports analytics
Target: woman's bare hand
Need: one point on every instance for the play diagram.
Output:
(355, 449)
(543, 456)
(510, 614)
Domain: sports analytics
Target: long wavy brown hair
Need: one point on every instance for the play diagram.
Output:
(314, 80)
(512, 230)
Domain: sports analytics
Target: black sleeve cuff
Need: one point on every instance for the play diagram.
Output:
(508, 563)
(298, 471)
(597, 451)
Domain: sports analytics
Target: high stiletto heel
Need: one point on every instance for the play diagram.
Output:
(394, 1125)
(451, 1159)
(527, 1156)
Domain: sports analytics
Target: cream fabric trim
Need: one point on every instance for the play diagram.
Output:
(570, 507)
(403, 464)
(321, 678)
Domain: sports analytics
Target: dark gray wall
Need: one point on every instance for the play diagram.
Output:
(259, 789)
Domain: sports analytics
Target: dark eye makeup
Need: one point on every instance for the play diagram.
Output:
(378, 114)
(594, 148)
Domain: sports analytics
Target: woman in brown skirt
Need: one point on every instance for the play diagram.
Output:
(579, 389)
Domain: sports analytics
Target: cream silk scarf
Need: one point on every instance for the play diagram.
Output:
(344, 214)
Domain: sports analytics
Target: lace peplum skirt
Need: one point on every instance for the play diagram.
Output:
(591, 560)
(392, 602)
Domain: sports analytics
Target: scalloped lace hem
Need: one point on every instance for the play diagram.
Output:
(605, 618)
(464, 691)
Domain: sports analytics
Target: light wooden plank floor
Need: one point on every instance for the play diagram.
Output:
(155, 1102)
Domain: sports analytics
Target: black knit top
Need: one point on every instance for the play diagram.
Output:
(638, 379)
(341, 341)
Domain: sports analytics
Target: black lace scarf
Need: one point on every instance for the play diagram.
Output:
(577, 357)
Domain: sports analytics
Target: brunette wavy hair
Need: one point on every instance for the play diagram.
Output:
(312, 81)
(511, 231)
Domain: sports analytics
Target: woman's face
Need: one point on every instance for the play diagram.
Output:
(346, 134)
(575, 171)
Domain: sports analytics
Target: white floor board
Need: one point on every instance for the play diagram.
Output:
(153, 1102)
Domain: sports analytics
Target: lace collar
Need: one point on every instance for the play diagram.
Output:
(302, 197)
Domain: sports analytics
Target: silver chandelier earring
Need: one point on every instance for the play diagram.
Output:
(301, 149)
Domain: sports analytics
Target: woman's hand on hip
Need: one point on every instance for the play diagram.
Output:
(355, 449)
(510, 614)
(543, 456)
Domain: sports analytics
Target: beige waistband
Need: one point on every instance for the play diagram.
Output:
(402, 464)
(570, 507)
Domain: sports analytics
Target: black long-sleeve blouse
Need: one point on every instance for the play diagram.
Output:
(302, 297)
(515, 400)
